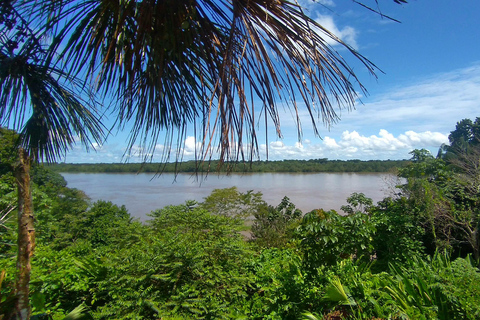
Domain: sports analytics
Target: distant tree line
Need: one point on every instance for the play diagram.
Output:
(314, 165)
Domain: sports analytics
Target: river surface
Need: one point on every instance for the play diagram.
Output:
(143, 193)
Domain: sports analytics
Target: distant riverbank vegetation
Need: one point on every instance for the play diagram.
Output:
(298, 166)
(414, 255)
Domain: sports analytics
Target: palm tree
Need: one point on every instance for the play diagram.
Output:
(220, 66)
(37, 100)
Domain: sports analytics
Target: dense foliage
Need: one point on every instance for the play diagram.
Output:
(306, 166)
(232, 256)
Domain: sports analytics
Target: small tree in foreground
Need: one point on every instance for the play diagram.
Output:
(275, 226)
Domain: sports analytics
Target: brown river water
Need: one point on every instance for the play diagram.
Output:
(143, 193)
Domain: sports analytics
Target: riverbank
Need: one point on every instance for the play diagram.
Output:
(283, 166)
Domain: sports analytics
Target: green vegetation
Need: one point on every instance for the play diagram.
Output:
(300, 166)
(163, 68)
(232, 256)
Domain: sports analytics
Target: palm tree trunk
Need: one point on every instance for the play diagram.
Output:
(26, 234)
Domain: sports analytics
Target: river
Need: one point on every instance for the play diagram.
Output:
(143, 193)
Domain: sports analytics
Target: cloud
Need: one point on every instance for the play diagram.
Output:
(329, 3)
(353, 145)
(311, 3)
(330, 144)
(95, 154)
(347, 34)
(418, 115)
(433, 104)
(277, 145)
(350, 145)
(384, 141)
(419, 140)
(191, 146)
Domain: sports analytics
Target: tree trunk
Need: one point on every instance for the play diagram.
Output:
(476, 246)
(26, 235)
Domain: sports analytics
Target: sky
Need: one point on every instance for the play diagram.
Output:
(429, 80)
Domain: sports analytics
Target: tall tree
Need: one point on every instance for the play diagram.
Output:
(465, 136)
(36, 99)
(444, 196)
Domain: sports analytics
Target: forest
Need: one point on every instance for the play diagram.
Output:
(312, 165)
(411, 256)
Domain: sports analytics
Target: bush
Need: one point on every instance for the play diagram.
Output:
(327, 237)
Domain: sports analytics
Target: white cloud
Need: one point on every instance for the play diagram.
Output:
(384, 141)
(330, 143)
(347, 34)
(299, 145)
(390, 125)
(95, 154)
(418, 140)
(277, 145)
(387, 142)
(159, 148)
(353, 145)
(310, 3)
(190, 146)
(350, 145)
(329, 3)
(431, 104)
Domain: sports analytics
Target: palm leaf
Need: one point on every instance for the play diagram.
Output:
(219, 66)
(337, 292)
(80, 312)
(310, 316)
(39, 101)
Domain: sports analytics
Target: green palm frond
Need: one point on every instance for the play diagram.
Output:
(337, 292)
(42, 103)
(310, 316)
(80, 312)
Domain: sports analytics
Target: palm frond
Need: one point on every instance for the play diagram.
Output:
(80, 312)
(42, 104)
(337, 292)
(214, 65)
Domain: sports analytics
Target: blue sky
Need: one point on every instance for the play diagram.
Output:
(431, 80)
